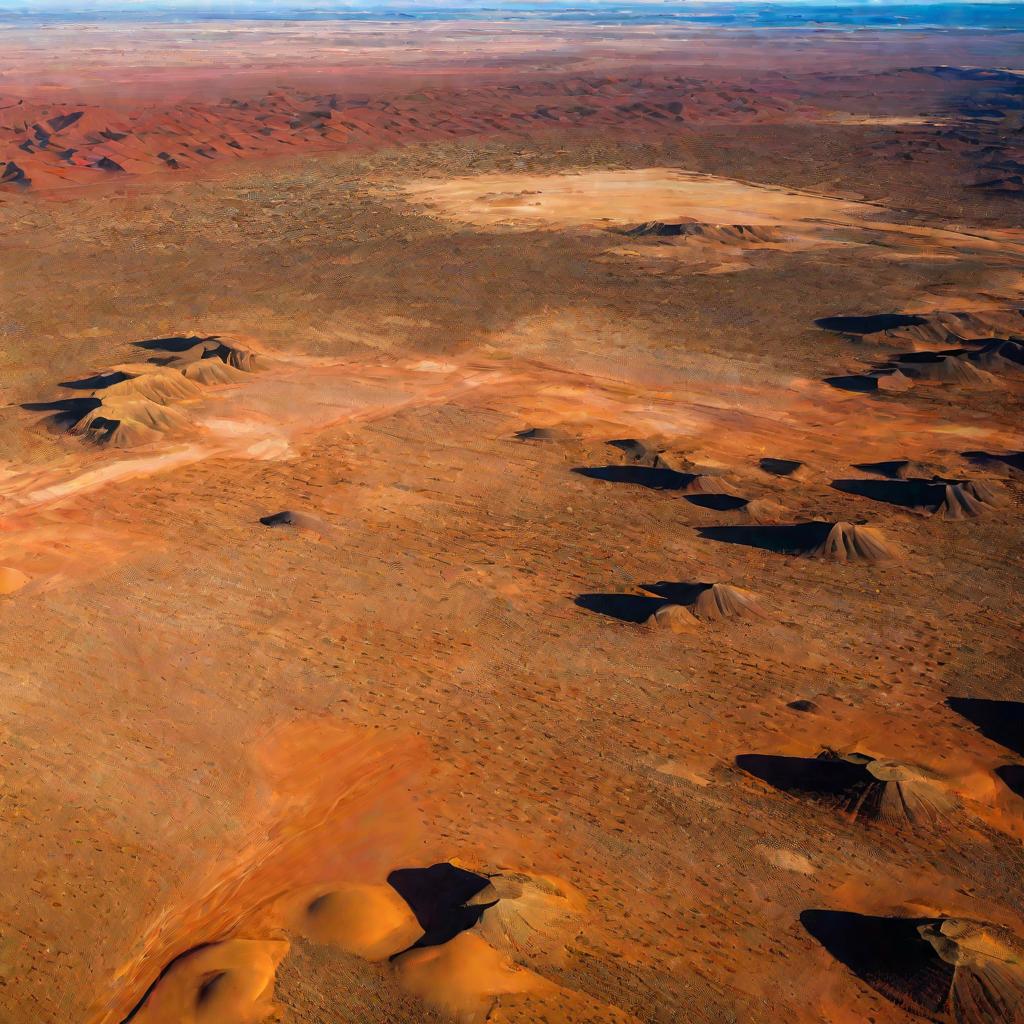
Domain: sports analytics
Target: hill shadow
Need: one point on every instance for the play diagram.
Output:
(780, 467)
(97, 381)
(676, 593)
(436, 895)
(998, 720)
(889, 468)
(789, 539)
(717, 502)
(823, 776)
(625, 607)
(861, 383)
(868, 324)
(1013, 777)
(1013, 460)
(66, 412)
(904, 493)
(887, 953)
(177, 344)
(645, 476)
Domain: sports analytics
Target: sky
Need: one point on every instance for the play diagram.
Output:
(851, 14)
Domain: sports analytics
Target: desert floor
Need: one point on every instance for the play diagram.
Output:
(534, 337)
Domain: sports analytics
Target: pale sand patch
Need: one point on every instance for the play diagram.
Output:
(629, 197)
(624, 197)
(787, 860)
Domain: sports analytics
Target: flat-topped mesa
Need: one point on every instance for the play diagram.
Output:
(848, 543)
(715, 603)
(947, 497)
(968, 500)
(863, 788)
(676, 618)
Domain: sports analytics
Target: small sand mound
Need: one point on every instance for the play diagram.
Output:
(764, 510)
(530, 918)
(208, 372)
(946, 969)
(891, 380)
(643, 453)
(848, 543)
(463, 977)
(11, 580)
(370, 921)
(720, 601)
(674, 617)
(231, 981)
(708, 483)
(300, 521)
(127, 423)
(540, 434)
(803, 705)
(285, 518)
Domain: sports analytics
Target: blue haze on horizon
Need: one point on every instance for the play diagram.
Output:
(991, 15)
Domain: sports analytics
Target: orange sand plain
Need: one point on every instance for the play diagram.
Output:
(550, 572)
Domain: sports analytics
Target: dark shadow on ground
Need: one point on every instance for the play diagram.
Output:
(1013, 777)
(904, 493)
(790, 539)
(858, 382)
(625, 607)
(66, 412)
(868, 324)
(780, 467)
(717, 502)
(998, 720)
(820, 776)
(436, 895)
(97, 381)
(644, 476)
(889, 954)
